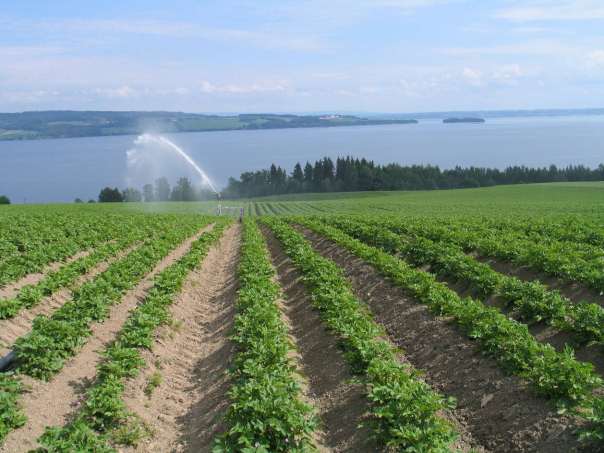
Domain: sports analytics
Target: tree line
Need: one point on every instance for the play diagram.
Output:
(159, 191)
(349, 174)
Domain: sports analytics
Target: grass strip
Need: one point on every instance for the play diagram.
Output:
(404, 410)
(104, 418)
(266, 413)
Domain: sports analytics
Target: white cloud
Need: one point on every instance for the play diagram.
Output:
(120, 92)
(178, 30)
(178, 91)
(263, 87)
(369, 89)
(527, 30)
(507, 74)
(472, 76)
(406, 5)
(596, 58)
(29, 51)
(330, 76)
(27, 97)
(326, 16)
(542, 47)
(408, 89)
(556, 10)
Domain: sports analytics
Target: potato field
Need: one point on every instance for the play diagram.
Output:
(468, 320)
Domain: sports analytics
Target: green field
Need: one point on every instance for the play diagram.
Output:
(551, 199)
(458, 320)
(585, 200)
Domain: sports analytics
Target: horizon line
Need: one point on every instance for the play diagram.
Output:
(321, 112)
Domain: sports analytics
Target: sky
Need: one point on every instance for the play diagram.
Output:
(301, 55)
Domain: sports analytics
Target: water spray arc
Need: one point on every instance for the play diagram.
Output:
(164, 143)
(149, 138)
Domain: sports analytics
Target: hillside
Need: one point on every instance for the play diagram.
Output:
(423, 315)
(65, 124)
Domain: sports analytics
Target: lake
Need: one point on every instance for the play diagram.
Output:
(62, 169)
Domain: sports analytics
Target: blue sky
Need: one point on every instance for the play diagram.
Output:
(301, 55)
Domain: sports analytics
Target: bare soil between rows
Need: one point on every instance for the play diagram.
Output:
(543, 332)
(339, 402)
(498, 410)
(192, 356)
(53, 403)
(576, 292)
(11, 329)
(11, 289)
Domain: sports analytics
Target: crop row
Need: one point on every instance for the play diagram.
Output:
(33, 241)
(569, 229)
(532, 300)
(557, 259)
(104, 416)
(43, 351)
(266, 411)
(554, 375)
(11, 416)
(25, 233)
(404, 410)
(31, 295)
(521, 231)
(573, 236)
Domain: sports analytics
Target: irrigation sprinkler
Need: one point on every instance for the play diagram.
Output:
(220, 209)
(219, 200)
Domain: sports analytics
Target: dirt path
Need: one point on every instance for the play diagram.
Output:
(339, 403)
(51, 403)
(184, 412)
(498, 410)
(11, 289)
(11, 329)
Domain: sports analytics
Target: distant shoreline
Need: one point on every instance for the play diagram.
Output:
(487, 114)
(75, 124)
(64, 124)
(463, 120)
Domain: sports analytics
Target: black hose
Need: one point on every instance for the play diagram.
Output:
(7, 360)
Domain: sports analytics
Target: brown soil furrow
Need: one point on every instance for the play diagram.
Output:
(576, 292)
(498, 410)
(11, 329)
(542, 332)
(318, 435)
(51, 403)
(11, 289)
(339, 402)
(193, 355)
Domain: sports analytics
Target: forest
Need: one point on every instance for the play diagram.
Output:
(161, 190)
(349, 174)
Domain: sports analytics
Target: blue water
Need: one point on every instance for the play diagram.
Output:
(62, 169)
